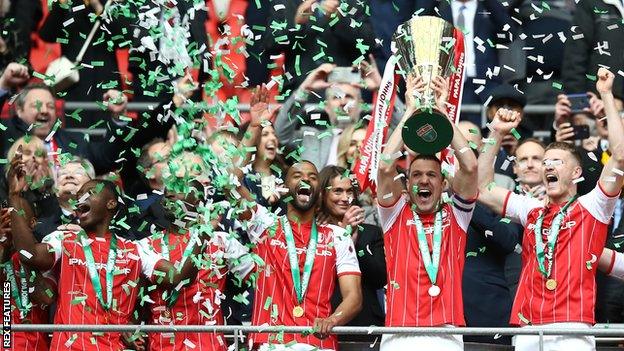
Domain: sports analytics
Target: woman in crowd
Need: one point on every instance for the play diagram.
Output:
(340, 206)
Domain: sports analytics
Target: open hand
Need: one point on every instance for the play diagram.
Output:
(259, 110)
(317, 79)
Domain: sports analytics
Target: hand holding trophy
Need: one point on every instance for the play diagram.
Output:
(425, 57)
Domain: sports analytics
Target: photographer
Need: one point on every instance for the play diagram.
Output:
(316, 137)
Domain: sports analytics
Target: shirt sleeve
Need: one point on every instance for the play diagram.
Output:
(599, 204)
(149, 258)
(463, 209)
(346, 259)
(237, 255)
(261, 220)
(617, 266)
(517, 207)
(389, 215)
(55, 241)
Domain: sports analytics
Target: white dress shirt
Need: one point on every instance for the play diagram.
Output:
(469, 16)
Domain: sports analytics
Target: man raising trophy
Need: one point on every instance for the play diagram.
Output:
(425, 233)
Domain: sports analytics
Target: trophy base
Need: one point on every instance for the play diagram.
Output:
(427, 133)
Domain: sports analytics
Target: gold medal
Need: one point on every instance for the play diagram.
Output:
(165, 317)
(551, 284)
(298, 311)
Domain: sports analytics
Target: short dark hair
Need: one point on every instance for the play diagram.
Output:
(20, 101)
(327, 174)
(298, 162)
(426, 158)
(145, 160)
(560, 145)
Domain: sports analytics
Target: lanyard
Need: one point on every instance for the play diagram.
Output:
(164, 245)
(21, 298)
(110, 268)
(431, 261)
(300, 283)
(552, 238)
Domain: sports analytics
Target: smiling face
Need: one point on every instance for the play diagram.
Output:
(267, 148)
(70, 178)
(353, 152)
(39, 109)
(96, 205)
(425, 184)
(302, 183)
(560, 168)
(528, 165)
(339, 197)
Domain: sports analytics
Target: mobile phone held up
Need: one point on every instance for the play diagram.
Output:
(349, 75)
(581, 132)
(578, 102)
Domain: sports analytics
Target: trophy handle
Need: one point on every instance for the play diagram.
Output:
(427, 132)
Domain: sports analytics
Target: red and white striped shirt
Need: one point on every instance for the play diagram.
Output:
(200, 302)
(38, 314)
(275, 295)
(579, 245)
(77, 301)
(408, 301)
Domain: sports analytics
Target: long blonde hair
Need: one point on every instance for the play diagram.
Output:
(344, 142)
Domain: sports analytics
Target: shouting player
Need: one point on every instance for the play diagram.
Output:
(564, 234)
(98, 271)
(425, 237)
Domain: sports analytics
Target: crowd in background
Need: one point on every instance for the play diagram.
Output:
(199, 62)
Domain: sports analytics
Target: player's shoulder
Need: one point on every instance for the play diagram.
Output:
(60, 236)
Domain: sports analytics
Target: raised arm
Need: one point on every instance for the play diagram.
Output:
(169, 277)
(31, 253)
(611, 178)
(491, 194)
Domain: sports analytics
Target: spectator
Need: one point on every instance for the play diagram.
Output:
(13, 76)
(153, 158)
(100, 70)
(481, 21)
(317, 141)
(342, 26)
(594, 42)
(71, 176)
(487, 297)
(28, 157)
(36, 115)
(18, 20)
(340, 205)
(349, 145)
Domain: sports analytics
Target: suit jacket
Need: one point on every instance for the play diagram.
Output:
(369, 248)
(489, 21)
(101, 154)
(487, 300)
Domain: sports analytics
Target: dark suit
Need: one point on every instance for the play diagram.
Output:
(490, 18)
(487, 300)
(101, 154)
(369, 248)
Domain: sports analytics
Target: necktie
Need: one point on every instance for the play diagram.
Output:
(461, 22)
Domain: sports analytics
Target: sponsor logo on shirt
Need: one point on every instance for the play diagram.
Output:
(321, 249)
(546, 231)
(102, 266)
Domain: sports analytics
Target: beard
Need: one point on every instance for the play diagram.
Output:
(299, 202)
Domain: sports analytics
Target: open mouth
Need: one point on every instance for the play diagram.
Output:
(424, 194)
(42, 119)
(82, 210)
(303, 193)
(551, 179)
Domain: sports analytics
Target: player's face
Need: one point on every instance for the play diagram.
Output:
(339, 196)
(559, 170)
(39, 110)
(94, 205)
(302, 182)
(425, 184)
(528, 165)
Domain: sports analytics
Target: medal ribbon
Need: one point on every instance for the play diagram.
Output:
(21, 298)
(164, 245)
(553, 233)
(300, 283)
(431, 261)
(93, 273)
